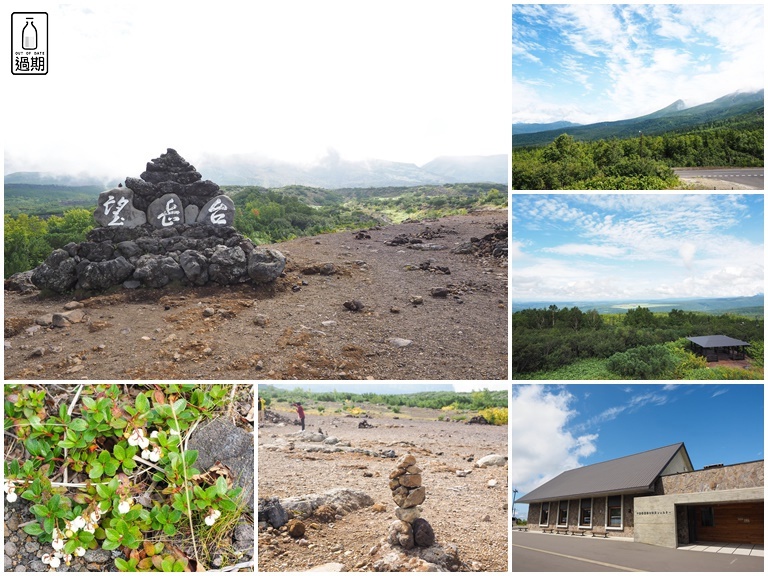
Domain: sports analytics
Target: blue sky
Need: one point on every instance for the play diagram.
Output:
(568, 247)
(560, 427)
(598, 62)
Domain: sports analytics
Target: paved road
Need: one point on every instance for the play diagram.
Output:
(752, 177)
(534, 552)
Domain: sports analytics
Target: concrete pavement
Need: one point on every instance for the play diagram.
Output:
(536, 552)
(751, 177)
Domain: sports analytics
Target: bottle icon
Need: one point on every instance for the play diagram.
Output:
(29, 35)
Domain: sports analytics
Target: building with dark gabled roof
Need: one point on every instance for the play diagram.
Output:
(655, 497)
(718, 347)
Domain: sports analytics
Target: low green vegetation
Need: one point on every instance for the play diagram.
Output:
(636, 163)
(491, 404)
(127, 442)
(47, 200)
(568, 344)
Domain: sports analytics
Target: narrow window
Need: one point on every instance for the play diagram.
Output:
(707, 516)
(562, 515)
(544, 516)
(585, 514)
(614, 511)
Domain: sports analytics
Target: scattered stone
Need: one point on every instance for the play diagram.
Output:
(354, 305)
(296, 528)
(379, 507)
(416, 300)
(491, 460)
(439, 292)
(400, 342)
(408, 514)
(325, 269)
(394, 310)
(261, 320)
(400, 533)
(73, 305)
(423, 535)
(97, 555)
(208, 312)
(272, 512)
(492, 483)
(329, 567)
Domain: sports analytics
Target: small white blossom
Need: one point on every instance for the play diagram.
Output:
(68, 558)
(57, 543)
(125, 506)
(95, 516)
(79, 551)
(57, 534)
(11, 497)
(77, 524)
(212, 517)
(153, 434)
(55, 562)
(155, 454)
(174, 432)
(46, 558)
(90, 527)
(145, 454)
(138, 438)
(9, 486)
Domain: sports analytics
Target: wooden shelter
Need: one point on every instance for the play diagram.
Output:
(718, 347)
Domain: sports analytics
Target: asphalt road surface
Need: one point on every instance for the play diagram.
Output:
(533, 552)
(752, 177)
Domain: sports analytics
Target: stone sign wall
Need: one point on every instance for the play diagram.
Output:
(168, 225)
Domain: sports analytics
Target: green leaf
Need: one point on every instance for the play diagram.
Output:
(179, 405)
(112, 534)
(110, 468)
(66, 444)
(167, 564)
(221, 485)
(178, 566)
(119, 424)
(40, 510)
(89, 402)
(28, 495)
(104, 456)
(103, 491)
(142, 404)
(70, 546)
(96, 470)
(169, 529)
(122, 565)
(129, 465)
(110, 544)
(33, 529)
(78, 425)
(119, 452)
(227, 505)
(159, 547)
(54, 502)
(48, 525)
(85, 537)
(175, 516)
(189, 457)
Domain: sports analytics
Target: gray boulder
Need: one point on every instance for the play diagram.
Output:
(157, 271)
(115, 208)
(228, 265)
(219, 211)
(102, 275)
(57, 273)
(166, 211)
(265, 265)
(195, 266)
(96, 251)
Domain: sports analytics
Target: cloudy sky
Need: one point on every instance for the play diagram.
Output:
(557, 428)
(287, 79)
(600, 62)
(568, 247)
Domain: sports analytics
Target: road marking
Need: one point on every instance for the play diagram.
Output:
(606, 564)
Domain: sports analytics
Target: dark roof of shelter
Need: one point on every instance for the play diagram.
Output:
(716, 341)
(635, 473)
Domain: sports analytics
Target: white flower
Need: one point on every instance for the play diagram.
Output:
(90, 527)
(94, 517)
(79, 523)
(138, 438)
(9, 486)
(57, 534)
(68, 558)
(58, 544)
(11, 497)
(79, 551)
(125, 506)
(46, 558)
(155, 454)
(212, 517)
(174, 432)
(55, 562)
(145, 454)
(153, 434)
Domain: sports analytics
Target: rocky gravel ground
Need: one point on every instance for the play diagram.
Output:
(417, 300)
(467, 506)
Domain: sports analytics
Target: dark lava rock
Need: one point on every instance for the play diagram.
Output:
(423, 535)
(272, 512)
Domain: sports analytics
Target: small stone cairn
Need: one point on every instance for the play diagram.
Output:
(409, 529)
(167, 226)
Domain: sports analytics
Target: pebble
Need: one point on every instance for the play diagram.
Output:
(400, 342)
(32, 546)
(492, 483)
(97, 555)
(208, 312)
(13, 523)
(8, 563)
(22, 568)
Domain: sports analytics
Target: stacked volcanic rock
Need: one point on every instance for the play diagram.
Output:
(407, 492)
(169, 225)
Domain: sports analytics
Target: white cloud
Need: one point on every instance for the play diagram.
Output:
(543, 445)
(587, 250)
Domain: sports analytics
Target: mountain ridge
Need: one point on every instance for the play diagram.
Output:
(670, 118)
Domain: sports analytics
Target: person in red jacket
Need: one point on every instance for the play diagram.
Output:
(300, 412)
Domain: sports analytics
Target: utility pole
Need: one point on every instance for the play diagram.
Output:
(514, 496)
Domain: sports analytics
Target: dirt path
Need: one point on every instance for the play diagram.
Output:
(462, 510)
(298, 328)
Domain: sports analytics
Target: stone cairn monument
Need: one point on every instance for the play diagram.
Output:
(167, 225)
(409, 529)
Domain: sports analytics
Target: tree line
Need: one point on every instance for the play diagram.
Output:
(643, 163)
(550, 338)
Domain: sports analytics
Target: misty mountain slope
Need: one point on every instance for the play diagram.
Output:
(532, 128)
(670, 118)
